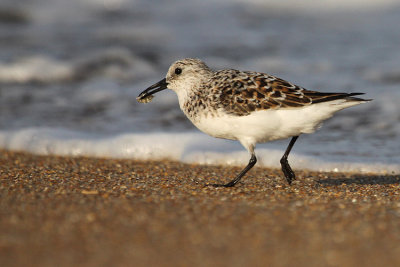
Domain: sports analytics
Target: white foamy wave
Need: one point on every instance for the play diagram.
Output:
(35, 68)
(186, 147)
(116, 63)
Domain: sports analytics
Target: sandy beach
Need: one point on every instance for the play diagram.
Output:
(57, 211)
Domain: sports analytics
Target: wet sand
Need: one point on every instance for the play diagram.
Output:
(57, 211)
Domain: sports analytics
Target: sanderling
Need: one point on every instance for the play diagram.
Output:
(250, 107)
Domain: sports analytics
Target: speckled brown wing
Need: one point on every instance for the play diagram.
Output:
(242, 92)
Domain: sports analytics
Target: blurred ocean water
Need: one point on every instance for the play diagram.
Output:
(70, 72)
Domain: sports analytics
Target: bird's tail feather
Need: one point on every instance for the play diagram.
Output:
(318, 97)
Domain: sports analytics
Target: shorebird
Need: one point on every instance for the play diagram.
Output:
(251, 107)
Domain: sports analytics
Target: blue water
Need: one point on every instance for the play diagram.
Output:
(70, 72)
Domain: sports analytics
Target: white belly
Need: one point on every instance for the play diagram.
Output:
(268, 125)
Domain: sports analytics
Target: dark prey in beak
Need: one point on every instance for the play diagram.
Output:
(147, 95)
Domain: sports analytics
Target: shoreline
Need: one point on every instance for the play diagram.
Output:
(90, 212)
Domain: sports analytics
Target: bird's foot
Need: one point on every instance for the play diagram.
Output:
(230, 184)
(287, 171)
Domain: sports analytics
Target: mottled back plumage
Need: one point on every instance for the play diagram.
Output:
(242, 92)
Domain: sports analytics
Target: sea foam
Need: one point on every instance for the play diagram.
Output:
(185, 147)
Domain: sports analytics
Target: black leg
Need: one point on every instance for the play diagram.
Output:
(232, 183)
(287, 171)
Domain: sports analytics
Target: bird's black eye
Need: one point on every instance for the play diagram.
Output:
(178, 71)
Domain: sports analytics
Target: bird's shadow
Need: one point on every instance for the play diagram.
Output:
(362, 180)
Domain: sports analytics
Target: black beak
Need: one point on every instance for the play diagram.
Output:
(161, 85)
